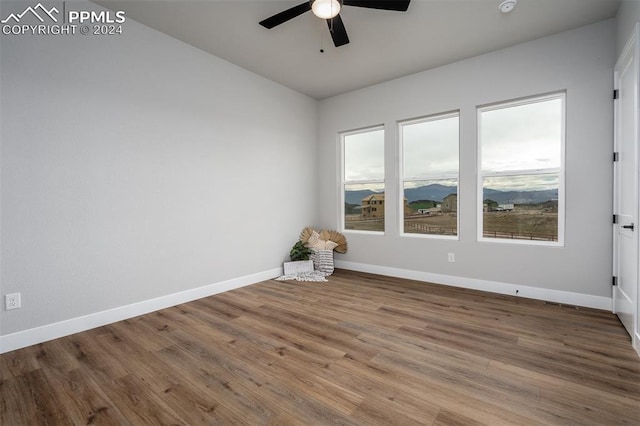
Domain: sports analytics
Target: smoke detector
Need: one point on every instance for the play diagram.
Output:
(507, 6)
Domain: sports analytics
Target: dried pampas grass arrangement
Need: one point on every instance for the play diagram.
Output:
(339, 239)
(306, 234)
(325, 235)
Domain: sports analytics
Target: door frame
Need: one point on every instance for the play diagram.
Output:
(632, 47)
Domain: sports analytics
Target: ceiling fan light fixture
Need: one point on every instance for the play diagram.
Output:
(326, 9)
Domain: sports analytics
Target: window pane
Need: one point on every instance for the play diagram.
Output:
(523, 137)
(430, 148)
(521, 207)
(431, 207)
(364, 207)
(364, 156)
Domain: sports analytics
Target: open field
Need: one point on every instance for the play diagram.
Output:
(523, 223)
(355, 222)
(442, 224)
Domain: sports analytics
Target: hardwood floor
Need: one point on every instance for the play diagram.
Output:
(360, 349)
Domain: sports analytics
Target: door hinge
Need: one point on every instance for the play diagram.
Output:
(616, 156)
(615, 219)
(615, 94)
(614, 281)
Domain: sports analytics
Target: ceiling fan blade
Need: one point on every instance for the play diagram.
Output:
(288, 14)
(338, 31)
(399, 5)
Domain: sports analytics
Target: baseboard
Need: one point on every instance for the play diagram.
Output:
(636, 344)
(47, 332)
(549, 295)
(41, 334)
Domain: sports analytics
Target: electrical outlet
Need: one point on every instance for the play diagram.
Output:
(12, 301)
(452, 257)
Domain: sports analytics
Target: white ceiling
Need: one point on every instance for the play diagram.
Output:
(384, 44)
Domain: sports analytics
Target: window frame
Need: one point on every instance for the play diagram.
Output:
(344, 182)
(560, 171)
(426, 177)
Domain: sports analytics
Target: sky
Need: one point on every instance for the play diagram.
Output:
(364, 156)
(522, 183)
(524, 137)
(430, 148)
(517, 138)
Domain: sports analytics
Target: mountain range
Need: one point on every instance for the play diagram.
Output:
(437, 192)
(19, 16)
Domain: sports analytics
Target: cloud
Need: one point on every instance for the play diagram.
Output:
(524, 137)
(431, 148)
(522, 182)
(514, 141)
(364, 156)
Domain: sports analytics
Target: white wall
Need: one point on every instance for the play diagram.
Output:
(627, 17)
(135, 166)
(580, 62)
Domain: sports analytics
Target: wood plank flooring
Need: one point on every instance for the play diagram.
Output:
(359, 350)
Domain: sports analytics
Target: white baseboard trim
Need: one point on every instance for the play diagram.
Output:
(47, 332)
(549, 295)
(636, 344)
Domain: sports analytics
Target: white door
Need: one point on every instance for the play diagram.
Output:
(626, 188)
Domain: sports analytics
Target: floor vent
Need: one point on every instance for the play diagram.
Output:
(563, 305)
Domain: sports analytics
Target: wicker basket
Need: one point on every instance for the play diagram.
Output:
(323, 261)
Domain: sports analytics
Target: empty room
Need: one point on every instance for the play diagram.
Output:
(359, 212)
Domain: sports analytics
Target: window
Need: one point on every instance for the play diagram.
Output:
(363, 180)
(430, 163)
(521, 160)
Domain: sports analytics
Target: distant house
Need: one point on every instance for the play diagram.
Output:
(489, 205)
(373, 206)
(493, 206)
(432, 210)
(450, 204)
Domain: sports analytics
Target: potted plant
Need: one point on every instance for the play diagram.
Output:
(299, 251)
(300, 262)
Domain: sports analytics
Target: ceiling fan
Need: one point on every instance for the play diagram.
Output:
(330, 10)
